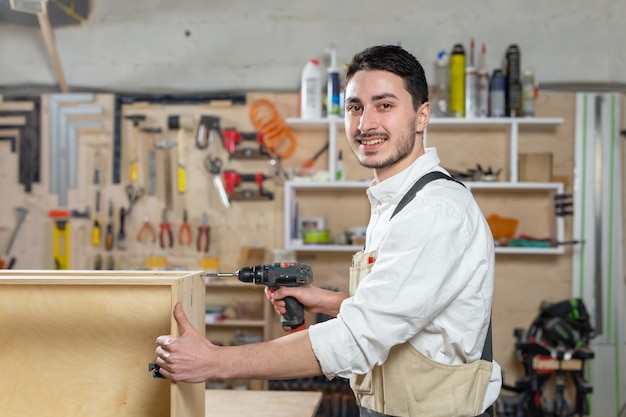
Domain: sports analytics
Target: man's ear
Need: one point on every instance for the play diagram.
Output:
(423, 117)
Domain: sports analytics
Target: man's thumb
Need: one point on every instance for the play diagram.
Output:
(184, 325)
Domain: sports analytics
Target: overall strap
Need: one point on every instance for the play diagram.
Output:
(408, 197)
(419, 184)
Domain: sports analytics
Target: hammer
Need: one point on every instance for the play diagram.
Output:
(21, 214)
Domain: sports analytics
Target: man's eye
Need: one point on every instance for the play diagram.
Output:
(385, 106)
(354, 108)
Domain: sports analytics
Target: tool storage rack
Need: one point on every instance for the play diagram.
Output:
(501, 137)
(79, 342)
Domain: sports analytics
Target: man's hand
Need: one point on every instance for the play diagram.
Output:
(314, 299)
(186, 358)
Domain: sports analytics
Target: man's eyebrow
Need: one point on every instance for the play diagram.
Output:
(383, 96)
(376, 97)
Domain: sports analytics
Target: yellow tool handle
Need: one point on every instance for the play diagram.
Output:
(96, 233)
(61, 244)
(134, 171)
(182, 179)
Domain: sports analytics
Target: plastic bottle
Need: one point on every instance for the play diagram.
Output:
(514, 82)
(311, 91)
(457, 81)
(441, 87)
(333, 101)
(340, 174)
(497, 94)
(528, 93)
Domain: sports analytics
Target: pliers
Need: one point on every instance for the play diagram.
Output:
(204, 234)
(184, 234)
(146, 228)
(166, 238)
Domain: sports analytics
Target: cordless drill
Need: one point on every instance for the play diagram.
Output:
(274, 276)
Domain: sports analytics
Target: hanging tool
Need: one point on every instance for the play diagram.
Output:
(165, 235)
(232, 138)
(274, 276)
(308, 164)
(97, 262)
(21, 215)
(121, 233)
(204, 235)
(134, 193)
(146, 228)
(232, 179)
(152, 132)
(278, 138)
(134, 145)
(61, 237)
(184, 233)
(214, 167)
(166, 145)
(208, 127)
(181, 123)
(110, 264)
(96, 230)
(86, 214)
(108, 238)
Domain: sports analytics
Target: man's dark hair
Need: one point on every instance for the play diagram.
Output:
(398, 61)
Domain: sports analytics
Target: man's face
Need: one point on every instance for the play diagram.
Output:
(381, 124)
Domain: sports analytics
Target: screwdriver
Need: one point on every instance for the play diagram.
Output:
(108, 240)
(96, 230)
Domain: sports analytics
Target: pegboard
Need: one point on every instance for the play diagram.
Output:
(104, 139)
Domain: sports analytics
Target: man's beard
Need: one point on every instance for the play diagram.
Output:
(406, 143)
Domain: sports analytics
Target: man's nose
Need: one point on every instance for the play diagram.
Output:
(368, 120)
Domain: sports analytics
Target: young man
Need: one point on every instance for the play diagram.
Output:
(412, 331)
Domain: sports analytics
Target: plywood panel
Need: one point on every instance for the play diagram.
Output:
(80, 345)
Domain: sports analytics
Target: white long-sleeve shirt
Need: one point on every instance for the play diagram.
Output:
(431, 284)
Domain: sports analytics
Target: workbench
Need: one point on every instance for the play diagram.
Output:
(244, 403)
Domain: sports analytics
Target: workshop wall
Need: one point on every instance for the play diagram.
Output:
(194, 45)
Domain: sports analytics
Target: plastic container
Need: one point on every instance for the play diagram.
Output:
(441, 87)
(333, 86)
(528, 93)
(340, 174)
(311, 91)
(497, 93)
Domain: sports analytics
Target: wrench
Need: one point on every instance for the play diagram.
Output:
(21, 214)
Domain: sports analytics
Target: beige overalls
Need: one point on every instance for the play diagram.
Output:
(410, 384)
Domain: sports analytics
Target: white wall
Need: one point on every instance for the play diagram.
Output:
(141, 45)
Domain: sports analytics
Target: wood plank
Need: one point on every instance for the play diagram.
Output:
(242, 403)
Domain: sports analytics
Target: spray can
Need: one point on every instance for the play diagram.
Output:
(497, 94)
(333, 104)
(471, 86)
(441, 86)
(457, 81)
(528, 93)
(311, 91)
(483, 85)
(514, 82)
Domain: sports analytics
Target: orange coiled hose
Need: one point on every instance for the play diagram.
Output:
(277, 137)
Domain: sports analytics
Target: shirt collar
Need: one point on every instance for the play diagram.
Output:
(400, 183)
